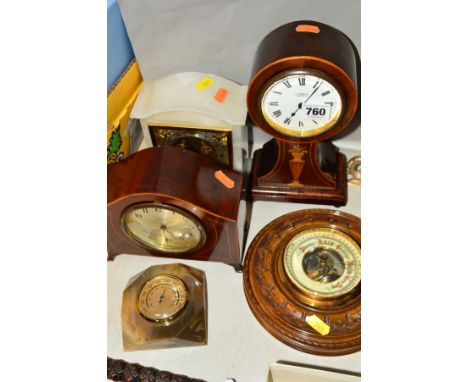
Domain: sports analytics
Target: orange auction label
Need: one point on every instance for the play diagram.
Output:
(308, 28)
(221, 95)
(204, 83)
(316, 323)
(224, 179)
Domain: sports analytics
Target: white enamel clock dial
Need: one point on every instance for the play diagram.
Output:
(301, 105)
(164, 228)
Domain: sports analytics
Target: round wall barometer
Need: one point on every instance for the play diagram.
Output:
(302, 280)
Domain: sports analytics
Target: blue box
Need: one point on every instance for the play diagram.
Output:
(119, 49)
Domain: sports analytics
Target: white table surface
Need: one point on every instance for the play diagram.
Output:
(238, 346)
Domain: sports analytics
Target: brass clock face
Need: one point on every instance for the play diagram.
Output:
(323, 262)
(162, 298)
(197, 145)
(214, 143)
(163, 228)
(301, 103)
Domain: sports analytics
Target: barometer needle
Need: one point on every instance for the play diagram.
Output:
(161, 298)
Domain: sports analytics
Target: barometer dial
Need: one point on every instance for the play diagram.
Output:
(323, 262)
(162, 298)
(301, 104)
(163, 228)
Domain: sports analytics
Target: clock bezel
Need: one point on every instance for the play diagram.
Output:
(179, 210)
(305, 71)
(170, 319)
(314, 293)
(343, 80)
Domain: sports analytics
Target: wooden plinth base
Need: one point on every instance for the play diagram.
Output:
(267, 185)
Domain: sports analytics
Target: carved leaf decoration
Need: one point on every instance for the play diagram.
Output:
(115, 142)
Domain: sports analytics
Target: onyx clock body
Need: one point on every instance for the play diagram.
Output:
(165, 306)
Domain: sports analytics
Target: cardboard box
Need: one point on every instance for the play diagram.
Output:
(278, 372)
(121, 131)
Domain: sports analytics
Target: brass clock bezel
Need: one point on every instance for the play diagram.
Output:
(178, 210)
(306, 71)
(354, 171)
(316, 295)
(170, 319)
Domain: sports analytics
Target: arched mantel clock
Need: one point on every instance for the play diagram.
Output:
(303, 92)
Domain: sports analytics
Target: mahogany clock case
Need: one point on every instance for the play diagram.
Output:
(280, 307)
(184, 181)
(303, 168)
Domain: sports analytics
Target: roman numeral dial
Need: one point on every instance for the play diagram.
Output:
(302, 104)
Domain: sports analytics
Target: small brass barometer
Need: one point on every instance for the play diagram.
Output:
(165, 307)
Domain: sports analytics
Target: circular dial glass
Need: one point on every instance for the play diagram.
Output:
(301, 104)
(323, 262)
(162, 297)
(164, 228)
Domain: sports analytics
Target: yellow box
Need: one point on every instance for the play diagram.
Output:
(120, 101)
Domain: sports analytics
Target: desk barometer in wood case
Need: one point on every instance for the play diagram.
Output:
(302, 280)
(303, 92)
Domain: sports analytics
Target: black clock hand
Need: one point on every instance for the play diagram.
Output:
(298, 108)
(163, 229)
(308, 98)
(161, 298)
(313, 92)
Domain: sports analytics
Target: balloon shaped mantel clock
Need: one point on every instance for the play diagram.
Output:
(303, 92)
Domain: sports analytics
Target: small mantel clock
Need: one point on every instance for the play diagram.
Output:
(303, 92)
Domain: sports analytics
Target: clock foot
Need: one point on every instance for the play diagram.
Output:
(111, 256)
(237, 267)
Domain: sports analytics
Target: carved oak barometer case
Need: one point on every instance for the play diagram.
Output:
(303, 92)
(302, 280)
